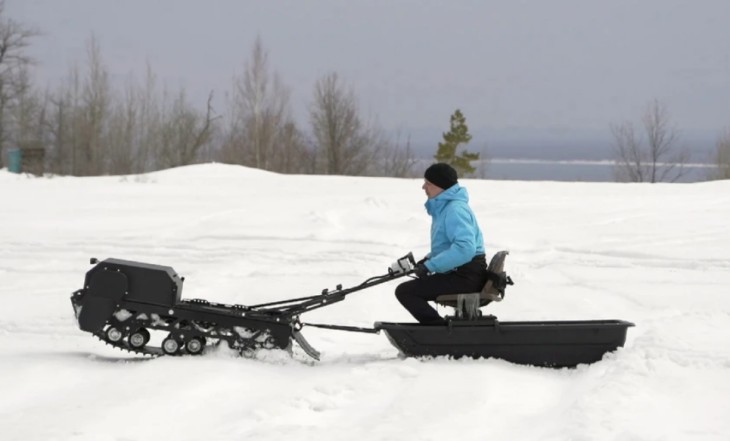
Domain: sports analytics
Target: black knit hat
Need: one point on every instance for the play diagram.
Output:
(441, 175)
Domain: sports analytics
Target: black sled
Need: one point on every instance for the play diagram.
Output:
(540, 343)
(123, 301)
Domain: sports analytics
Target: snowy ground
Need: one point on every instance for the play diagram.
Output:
(656, 255)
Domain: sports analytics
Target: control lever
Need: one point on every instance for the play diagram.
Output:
(404, 265)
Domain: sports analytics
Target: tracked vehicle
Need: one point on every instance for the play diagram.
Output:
(124, 302)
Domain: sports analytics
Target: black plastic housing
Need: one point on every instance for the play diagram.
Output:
(112, 281)
(146, 282)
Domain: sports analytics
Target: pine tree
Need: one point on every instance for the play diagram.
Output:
(456, 136)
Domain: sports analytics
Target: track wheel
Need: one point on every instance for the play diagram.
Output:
(195, 345)
(170, 346)
(114, 335)
(139, 338)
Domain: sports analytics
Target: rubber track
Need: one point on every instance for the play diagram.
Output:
(147, 350)
(154, 351)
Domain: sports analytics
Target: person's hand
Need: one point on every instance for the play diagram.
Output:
(421, 271)
(422, 261)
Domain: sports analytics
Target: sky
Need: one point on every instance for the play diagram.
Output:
(655, 255)
(563, 69)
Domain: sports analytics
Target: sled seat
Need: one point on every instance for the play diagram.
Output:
(467, 305)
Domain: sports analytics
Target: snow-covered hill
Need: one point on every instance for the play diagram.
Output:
(657, 255)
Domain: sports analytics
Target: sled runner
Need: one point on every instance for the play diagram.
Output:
(123, 302)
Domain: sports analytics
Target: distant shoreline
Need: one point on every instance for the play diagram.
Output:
(567, 170)
(605, 162)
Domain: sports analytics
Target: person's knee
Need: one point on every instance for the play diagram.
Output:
(402, 291)
(399, 292)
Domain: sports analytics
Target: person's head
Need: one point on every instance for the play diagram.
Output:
(438, 177)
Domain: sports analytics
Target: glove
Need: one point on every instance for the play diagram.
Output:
(422, 260)
(421, 271)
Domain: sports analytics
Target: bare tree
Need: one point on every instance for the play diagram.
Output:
(261, 131)
(654, 157)
(79, 118)
(345, 145)
(397, 159)
(14, 40)
(128, 128)
(27, 114)
(631, 164)
(148, 122)
(121, 132)
(146, 131)
(93, 130)
(293, 154)
(96, 99)
(184, 132)
(722, 156)
(62, 125)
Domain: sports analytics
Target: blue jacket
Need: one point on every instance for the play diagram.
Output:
(455, 234)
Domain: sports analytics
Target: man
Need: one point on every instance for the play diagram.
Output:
(456, 263)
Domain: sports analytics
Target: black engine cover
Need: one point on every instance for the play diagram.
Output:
(112, 280)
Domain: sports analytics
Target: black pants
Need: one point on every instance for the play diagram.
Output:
(415, 294)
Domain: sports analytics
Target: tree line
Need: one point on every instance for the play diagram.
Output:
(87, 126)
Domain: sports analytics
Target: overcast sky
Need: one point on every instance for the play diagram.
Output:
(568, 64)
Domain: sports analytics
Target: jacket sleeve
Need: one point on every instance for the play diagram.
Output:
(459, 226)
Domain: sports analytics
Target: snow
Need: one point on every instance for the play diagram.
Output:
(656, 255)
